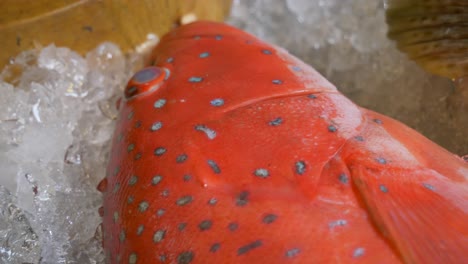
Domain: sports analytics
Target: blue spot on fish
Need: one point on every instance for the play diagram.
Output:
(296, 68)
(262, 173)
(217, 102)
(156, 126)
(204, 55)
(428, 186)
(195, 79)
(383, 188)
(381, 160)
(358, 252)
(210, 133)
(159, 103)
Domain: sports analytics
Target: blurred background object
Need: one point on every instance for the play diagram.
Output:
(83, 24)
(434, 33)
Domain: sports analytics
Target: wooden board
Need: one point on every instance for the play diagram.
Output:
(82, 24)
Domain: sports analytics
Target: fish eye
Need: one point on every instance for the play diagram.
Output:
(147, 79)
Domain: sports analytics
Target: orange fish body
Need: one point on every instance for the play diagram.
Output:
(230, 150)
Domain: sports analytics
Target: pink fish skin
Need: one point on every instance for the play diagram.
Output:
(231, 150)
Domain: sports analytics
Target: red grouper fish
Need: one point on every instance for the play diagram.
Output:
(231, 150)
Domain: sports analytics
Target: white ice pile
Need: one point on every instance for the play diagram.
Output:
(55, 125)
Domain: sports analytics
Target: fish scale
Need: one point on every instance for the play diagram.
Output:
(230, 150)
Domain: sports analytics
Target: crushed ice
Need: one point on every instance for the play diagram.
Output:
(54, 130)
